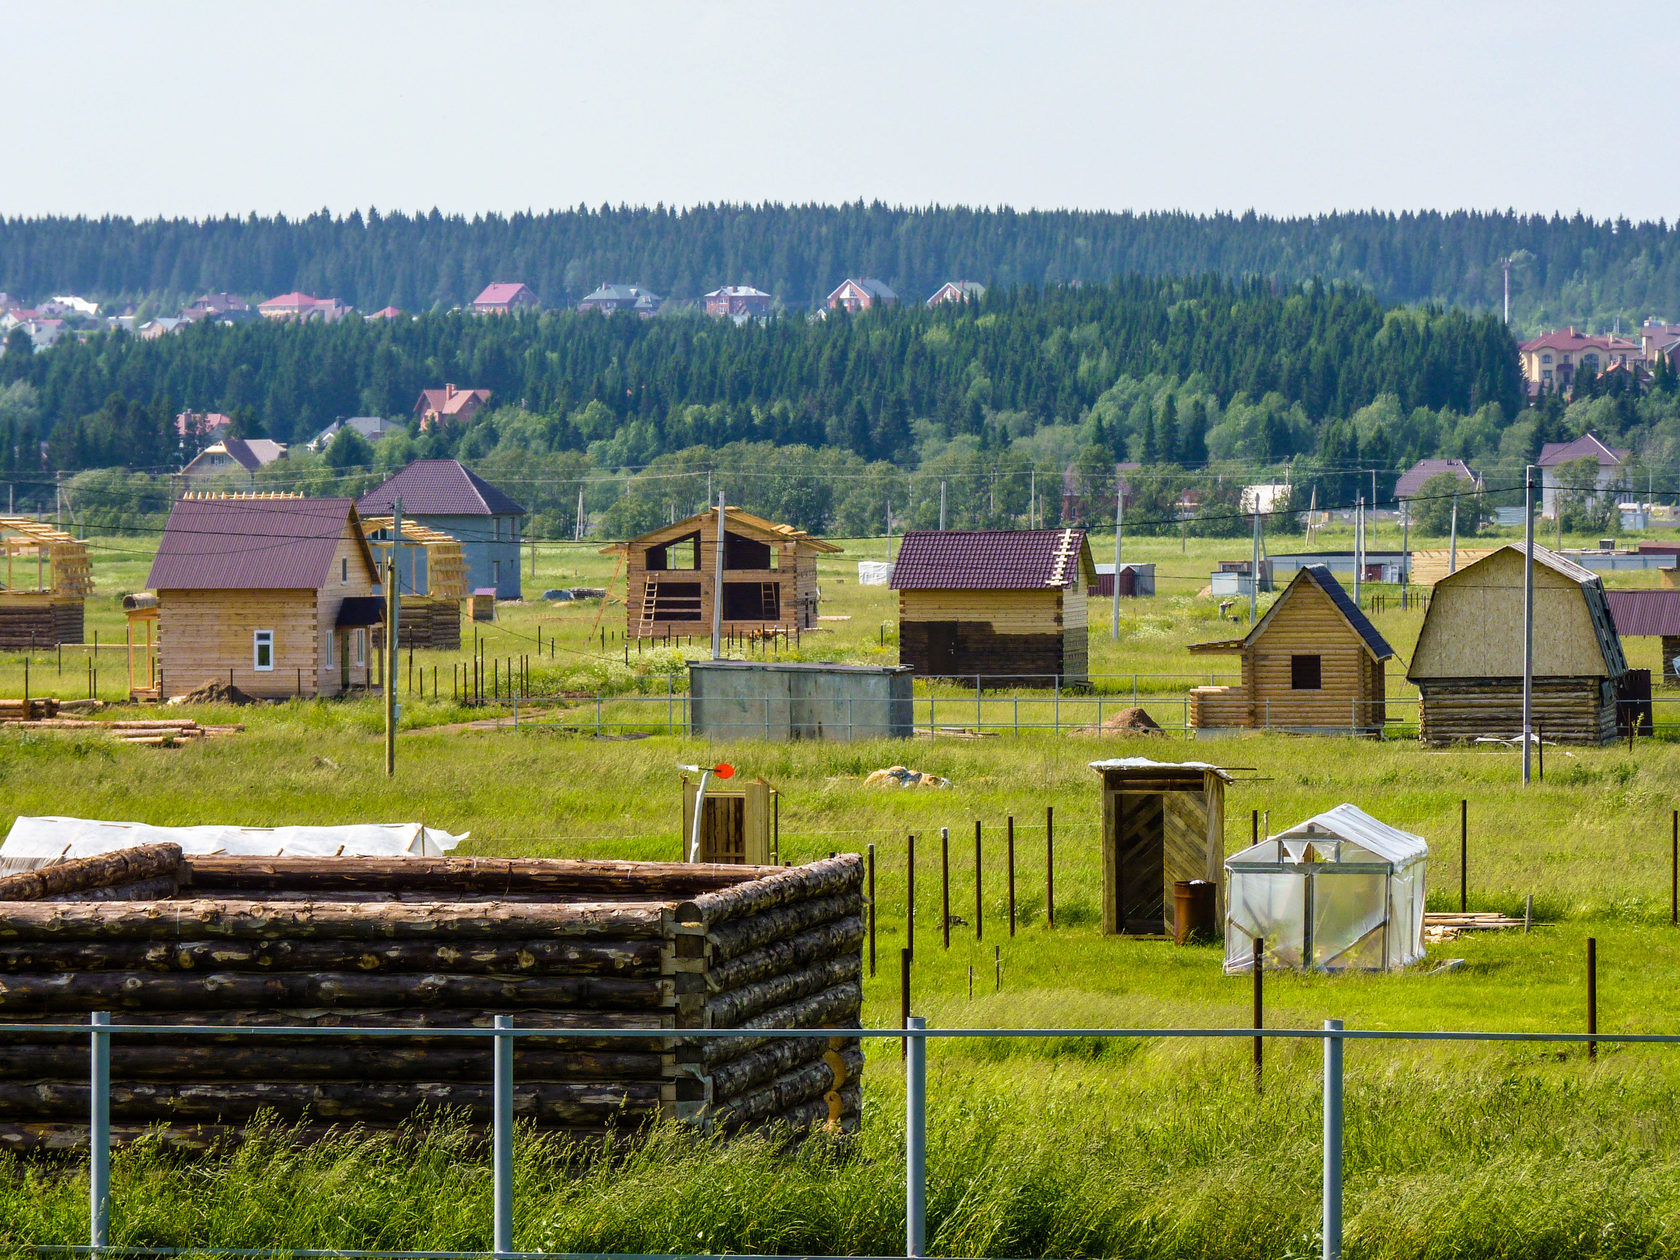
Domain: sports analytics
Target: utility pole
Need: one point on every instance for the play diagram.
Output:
(941, 504)
(1507, 265)
(577, 531)
(392, 605)
(717, 584)
(1405, 548)
(1452, 553)
(1253, 568)
(1528, 622)
(1032, 497)
(1358, 547)
(58, 496)
(1119, 529)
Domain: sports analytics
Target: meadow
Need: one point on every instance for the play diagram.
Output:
(1077, 1147)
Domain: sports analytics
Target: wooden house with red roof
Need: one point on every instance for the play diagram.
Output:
(504, 298)
(276, 594)
(999, 603)
(443, 406)
(769, 576)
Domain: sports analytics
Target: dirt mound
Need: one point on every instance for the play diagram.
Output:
(1132, 721)
(216, 693)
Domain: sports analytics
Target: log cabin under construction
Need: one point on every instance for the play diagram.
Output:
(419, 943)
(999, 603)
(769, 577)
(1313, 664)
(1468, 663)
(431, 581)
(48, 579)
(275, 594)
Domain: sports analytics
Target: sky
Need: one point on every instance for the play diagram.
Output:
(194, 109)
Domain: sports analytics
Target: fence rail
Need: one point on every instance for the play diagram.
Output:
(915, 1035)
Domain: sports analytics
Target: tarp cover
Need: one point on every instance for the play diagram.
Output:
(37, 842)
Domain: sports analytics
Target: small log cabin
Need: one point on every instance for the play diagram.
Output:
(1468, 663)
(431, 581)
(995, 603)
(1313, 663)
(276, 594)
(48, 579)
(769, 576)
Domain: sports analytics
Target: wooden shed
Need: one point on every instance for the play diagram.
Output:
(275, 594)
(420, 943)
(997, 603)
(48, 578)
(769, 577)
(431, 581)
(740, 824)
(1468, 663)
(1313, 663)
(1163, 822)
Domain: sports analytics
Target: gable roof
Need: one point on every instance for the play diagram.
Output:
(1344, 822)
(259, 543)
(1321, 577)
(1411, 481)
(733, 517)
(438, 487)
(876, 289)
(286, 300)
(1587, 445)
(1645, 612)
(249, 453)
(500, 293)
(991, 559)
(450, 401)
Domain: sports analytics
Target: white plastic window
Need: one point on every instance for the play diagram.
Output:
(331, 640)
(361, 647)
(262, 650)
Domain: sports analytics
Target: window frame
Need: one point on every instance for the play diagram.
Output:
(332, 643)
(259, 640)
(361, 646)
(1297, 664)
(344, 570)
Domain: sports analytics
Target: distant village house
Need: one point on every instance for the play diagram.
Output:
(1414, 478)
(231, 457)
(608, 299)
(1554, 455)
(738, 301)
(853, 296)
(303, 306)
(442, 495)
(502, 298)
(443, 406)
(956, 291)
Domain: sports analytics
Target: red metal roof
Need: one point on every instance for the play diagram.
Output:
(1639, 613)
(438, 487)
(251, 544)
(500, 293)
(990, 559)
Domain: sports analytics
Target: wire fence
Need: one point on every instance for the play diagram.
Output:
(915, 1036)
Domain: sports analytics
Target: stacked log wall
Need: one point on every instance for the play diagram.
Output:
(1565, 710)
(33, 621)
(429, 623)
(434, 943)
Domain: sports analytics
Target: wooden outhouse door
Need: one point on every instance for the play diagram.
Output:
(1140, 827)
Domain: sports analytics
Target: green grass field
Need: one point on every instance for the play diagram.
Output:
(1078, 1147)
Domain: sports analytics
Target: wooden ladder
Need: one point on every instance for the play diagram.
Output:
(1066, 549)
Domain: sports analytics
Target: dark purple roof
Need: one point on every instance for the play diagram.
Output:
(249, 544)
(438, 487)
(989, 559)
(1639, 613)
(1411, 481)
(1588, 445)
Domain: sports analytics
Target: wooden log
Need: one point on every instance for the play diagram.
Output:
(785, 1092)
(738, 936)
(424, 897)
(727, 1010)
(561, 1102)
(198, 991)
(125, 866)
(160, 889)
(257, 920)
(565, 956)
(54, 1139)
(840, 874)
(554, 877)
(837, 1007)
(304, 1059)
(843, 936)
(741, 1075)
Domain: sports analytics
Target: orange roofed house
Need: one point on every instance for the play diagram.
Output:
(441, 406)
(1550, 361)
(503, 298)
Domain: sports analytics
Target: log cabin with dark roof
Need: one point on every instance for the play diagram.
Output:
(996, 603)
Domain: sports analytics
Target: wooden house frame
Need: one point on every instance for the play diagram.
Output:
(431, 581)
(769, 576)
(48, 579)
(1313, 663)
(1468, 662)
(1162, 822)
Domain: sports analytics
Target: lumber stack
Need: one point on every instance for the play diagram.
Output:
(32, 709)
(433, 943)
(1566, 710)
(155, 732)
(425, 622)
(1446, 926)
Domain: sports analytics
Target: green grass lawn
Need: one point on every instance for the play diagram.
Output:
(1078, 1147)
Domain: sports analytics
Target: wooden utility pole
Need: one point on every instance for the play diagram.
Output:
(392, 605)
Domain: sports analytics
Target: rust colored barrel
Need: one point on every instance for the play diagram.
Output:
(1193, 911)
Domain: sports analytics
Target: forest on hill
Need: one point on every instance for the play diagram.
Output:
(1565, 269)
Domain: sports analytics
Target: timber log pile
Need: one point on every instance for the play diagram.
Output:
(156, 732)
(429, 623)
(1566, 710)
(429, 943)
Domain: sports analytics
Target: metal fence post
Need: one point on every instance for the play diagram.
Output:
(915, 1138)
(1332, 1139)
(99, 1132)
(501, 1137)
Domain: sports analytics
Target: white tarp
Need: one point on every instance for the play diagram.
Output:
(37, 842)
(874, 572)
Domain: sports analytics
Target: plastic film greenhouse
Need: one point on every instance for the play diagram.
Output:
(1340, 890)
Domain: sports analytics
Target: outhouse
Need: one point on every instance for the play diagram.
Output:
(739, 825)
(1340, 890)
(1163, 822)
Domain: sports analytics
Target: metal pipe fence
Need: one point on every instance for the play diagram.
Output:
(915, 1034)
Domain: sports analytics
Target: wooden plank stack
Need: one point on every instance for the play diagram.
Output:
(429, 943)
(32, 709)
(156, 732)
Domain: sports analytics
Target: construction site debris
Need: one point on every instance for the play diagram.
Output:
(215, 693)
(32, 709)
(1132, 721)
(900, 777)
(1443, 926)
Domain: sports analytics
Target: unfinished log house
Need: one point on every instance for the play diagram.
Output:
(48, 579)
(431, 581)
(430, 943)
(998, 603)
(769, 577)
(1468, 663)
(1162, 822)
(1313, 663)
(274, 594)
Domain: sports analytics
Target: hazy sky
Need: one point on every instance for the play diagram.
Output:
(211, 108)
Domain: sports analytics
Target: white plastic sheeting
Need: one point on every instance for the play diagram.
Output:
(1340, 890)
(37, 842)
(874, 572)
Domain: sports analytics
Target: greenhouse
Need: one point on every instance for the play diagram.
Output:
(1340, 890)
